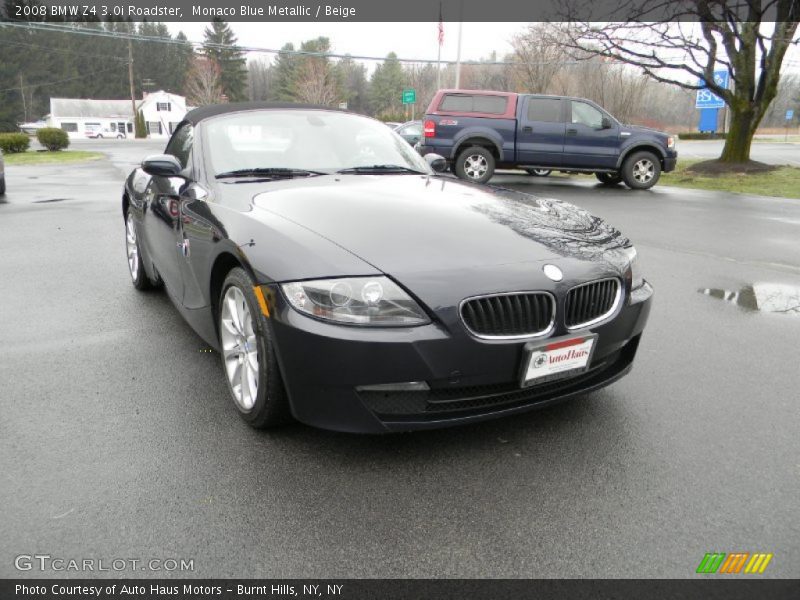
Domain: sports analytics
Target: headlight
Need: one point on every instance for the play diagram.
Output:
(670, 142)
(376, 301)
(634, 271)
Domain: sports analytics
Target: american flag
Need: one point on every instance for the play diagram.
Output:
(441, 26)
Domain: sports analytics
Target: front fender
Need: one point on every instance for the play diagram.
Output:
(634, 146)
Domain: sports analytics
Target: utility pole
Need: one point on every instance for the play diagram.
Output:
(130, 81)
(24, 105)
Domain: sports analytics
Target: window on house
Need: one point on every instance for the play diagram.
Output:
(129, 127)
(154, 127)
(163, 106)
(69, 127)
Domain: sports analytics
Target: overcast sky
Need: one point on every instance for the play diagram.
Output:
(407, 40)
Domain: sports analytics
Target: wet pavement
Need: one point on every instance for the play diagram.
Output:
(117, 438)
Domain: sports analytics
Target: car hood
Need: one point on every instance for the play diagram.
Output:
(641, 129)
(409, 225)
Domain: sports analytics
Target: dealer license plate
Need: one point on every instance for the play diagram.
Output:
(557, 358)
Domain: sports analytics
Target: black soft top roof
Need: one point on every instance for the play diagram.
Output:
(212, 110)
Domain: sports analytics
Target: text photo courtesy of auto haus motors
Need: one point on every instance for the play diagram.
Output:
(295, 304)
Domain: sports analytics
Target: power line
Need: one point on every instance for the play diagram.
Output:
(255, 49)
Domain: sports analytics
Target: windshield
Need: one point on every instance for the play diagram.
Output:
(310, 140)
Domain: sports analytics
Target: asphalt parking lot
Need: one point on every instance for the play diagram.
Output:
(118, 440)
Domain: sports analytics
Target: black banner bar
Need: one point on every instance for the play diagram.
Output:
(703, 587)
(381, 11)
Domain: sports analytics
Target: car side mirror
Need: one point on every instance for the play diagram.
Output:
(605, 123)
(162, 165)
(436, 162)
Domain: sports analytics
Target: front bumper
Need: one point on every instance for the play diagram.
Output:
(470, 379)
(670, 162)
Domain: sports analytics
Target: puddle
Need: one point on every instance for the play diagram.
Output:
(762, 297)
(50, 200)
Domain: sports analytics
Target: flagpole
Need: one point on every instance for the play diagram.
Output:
(440, 39)
(458, 57)
(439, 69)
(458, 51)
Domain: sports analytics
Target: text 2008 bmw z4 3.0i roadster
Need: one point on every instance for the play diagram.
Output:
(347, 284)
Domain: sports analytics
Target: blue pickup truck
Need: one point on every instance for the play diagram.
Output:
(480, 131)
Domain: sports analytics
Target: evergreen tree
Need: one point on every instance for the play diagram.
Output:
(386, 87)
(220, 46)
(285, 69)
(352, 77)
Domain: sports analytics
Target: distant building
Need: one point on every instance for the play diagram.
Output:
(81, 118)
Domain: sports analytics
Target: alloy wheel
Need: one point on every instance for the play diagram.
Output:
(643, 170)
(475, 166)
(132, 247)
(239, 348)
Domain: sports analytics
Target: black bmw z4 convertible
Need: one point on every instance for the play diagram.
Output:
(349, 285)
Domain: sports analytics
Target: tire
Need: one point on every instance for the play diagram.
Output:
(641, 170)
(2, 185)
(475, 164)
(135, 264)
(99, 137)
(539, 172)
(119, 137)
(248, 355)
(609, 178)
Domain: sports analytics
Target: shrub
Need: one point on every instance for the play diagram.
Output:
(11, 143)
(53, 139)
(696, 135)
(140, 127)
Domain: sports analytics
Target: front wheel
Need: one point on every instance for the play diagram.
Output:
(609, 178)
(641, 170)
(475, 164)
(539, 172)
(248, 355)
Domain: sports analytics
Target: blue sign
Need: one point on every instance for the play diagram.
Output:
(789, 114)
(706, 98)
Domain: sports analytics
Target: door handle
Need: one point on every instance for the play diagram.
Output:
(572, 132)
(527, 129)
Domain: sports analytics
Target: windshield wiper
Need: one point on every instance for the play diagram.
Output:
(372, 169)
(270, 172)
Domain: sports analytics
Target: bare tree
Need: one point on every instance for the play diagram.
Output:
(259, 79)
(203, 84)
(316, 82)
(747, 37)
(540, 53)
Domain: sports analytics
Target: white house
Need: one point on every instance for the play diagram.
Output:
(81, 118)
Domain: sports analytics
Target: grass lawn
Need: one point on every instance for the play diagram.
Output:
(40, 158)
(783, 181)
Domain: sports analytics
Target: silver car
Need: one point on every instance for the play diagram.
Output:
(2, 175)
